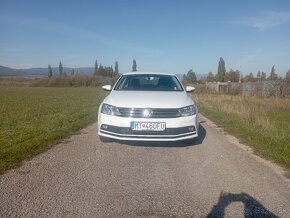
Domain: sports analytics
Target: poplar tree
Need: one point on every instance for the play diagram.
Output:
(60, 69)
(273, 75)
(221, 70)
(134, 66)
(49, 74)
(116, 68)
(96, 67)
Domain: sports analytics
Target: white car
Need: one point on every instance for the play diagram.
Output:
(148, 107)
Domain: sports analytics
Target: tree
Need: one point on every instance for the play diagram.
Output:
(221, 70)
(251, 78)
(210, 77)
(233, 76)
(96, 67)
(49, 73)
(245, 79)
(263, 76)
(72, 72)
(202, 80)
(273, 75)
(116, 69)
(259, 76)
(104, 71)
(191, 77)
(111, 71)
(288, 75)
(101, 71)
(134, 66)
(60, 69)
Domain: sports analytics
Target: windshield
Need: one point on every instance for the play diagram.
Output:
(150, 82)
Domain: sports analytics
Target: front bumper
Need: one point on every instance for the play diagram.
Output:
(181, 128)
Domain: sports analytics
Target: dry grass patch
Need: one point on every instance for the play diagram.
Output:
(262, 123)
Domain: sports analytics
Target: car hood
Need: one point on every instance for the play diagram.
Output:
(152, 99)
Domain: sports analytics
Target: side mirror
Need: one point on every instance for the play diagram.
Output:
(189, 89)
(107, 87)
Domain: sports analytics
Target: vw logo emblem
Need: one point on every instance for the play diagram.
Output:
(147, 112)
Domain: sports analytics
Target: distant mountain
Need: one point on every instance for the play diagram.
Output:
(6, 71)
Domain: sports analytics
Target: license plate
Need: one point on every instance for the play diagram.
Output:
(148, 126)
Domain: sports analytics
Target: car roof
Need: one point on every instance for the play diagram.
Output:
(146, 73)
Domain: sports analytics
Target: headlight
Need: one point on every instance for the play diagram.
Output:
(110, 110)
(187, 111)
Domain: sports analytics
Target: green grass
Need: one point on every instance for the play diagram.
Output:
(33, 119)
(262, 123)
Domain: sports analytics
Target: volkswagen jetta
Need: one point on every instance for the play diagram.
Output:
(148, 107)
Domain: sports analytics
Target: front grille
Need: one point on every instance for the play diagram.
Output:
(156, 112)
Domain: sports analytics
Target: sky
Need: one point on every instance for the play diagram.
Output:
(162, 35)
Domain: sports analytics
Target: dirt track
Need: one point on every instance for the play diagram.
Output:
(86, 178)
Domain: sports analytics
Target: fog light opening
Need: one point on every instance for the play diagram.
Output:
(104, 126)
(191, 128)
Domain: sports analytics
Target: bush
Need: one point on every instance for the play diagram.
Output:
(74, 81)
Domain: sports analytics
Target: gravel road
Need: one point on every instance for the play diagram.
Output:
(83, 177)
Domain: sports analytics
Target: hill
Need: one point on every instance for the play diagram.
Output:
(6, 71)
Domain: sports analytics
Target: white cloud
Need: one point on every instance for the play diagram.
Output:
(264, 20)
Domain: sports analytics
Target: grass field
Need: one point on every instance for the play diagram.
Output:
(33, 119)
(262, 123)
